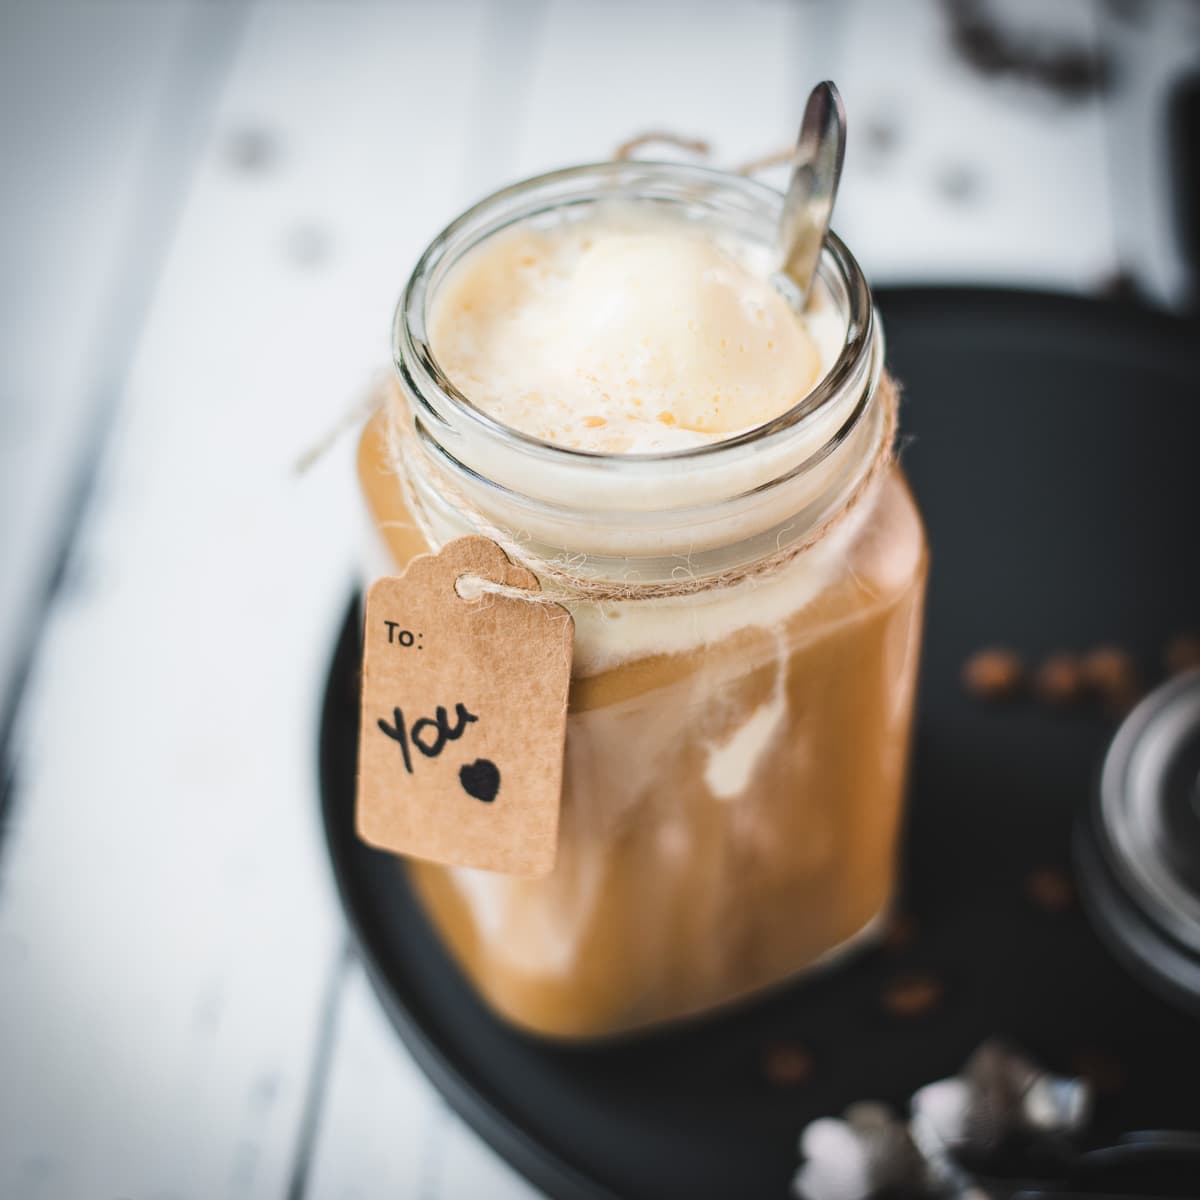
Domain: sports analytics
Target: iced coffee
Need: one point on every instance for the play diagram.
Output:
(600, 368)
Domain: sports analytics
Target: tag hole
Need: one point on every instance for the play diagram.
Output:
(469, 587)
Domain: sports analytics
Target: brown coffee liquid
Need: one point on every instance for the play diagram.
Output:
(667, 899)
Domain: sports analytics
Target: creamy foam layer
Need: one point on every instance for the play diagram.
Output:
(627, 332)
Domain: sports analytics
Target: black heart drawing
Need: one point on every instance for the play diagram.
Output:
(480, 779)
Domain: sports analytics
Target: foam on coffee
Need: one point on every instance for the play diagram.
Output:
(626, 332)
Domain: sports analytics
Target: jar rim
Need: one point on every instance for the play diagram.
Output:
(419, 369)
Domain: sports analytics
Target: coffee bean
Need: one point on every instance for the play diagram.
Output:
(1050, 889)
(911, 995)
(1182, 653)
(786, 1064)
(1058, 680)
(993, 674)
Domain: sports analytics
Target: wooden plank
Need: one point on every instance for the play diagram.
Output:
(98, 114)
(465, 1166)
(167, 926)
(952, 175)
(385, 1131)
(736, 78)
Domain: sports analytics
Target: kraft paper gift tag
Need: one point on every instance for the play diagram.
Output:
(463, 717)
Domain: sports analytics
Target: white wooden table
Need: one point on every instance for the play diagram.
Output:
(208, 212)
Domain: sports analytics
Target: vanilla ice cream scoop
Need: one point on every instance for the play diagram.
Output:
(622, 333)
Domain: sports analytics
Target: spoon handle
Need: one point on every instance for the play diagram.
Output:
(816, 169)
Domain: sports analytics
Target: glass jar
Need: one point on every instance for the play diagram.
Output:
(747, 617)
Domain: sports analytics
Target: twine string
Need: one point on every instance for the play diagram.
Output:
(661, 137)
(701, 148)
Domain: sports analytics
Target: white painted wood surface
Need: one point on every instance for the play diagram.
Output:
(100, 108)
(966, 180)
(178, 1017)
(166, 899)
(383, 1132)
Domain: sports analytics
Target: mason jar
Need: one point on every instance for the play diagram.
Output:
(747, 627)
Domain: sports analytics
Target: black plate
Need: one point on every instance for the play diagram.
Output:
(1054, 445)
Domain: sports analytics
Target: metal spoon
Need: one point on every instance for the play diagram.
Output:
(816, 169)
